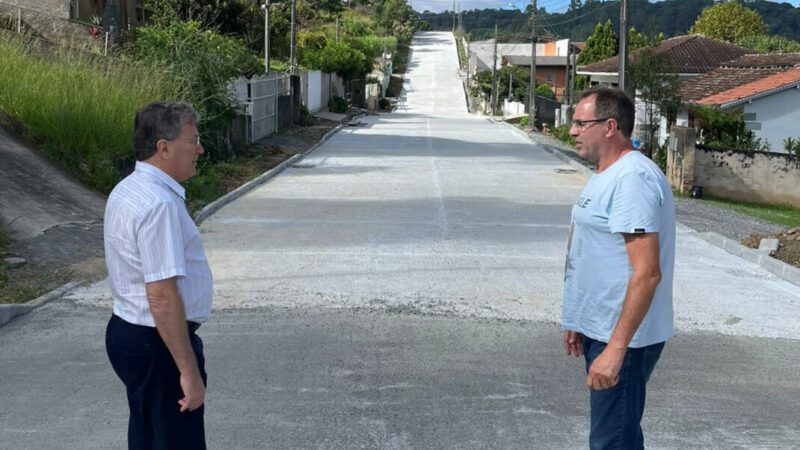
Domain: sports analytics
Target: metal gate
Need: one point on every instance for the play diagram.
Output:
(259, 99)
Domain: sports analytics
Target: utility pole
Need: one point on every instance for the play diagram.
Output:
(567, 86)
(265, 7)
(293, 47)
(623, 45)
(493, 100)
(454, 16)
(532, 84)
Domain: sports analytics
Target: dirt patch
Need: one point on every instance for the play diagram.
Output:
(789, 250)
(75, 251)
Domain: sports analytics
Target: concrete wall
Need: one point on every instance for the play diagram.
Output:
(759, 177)
(775, 117)
(50, 19)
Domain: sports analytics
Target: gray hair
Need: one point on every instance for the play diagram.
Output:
(160, 120)
(613, 104)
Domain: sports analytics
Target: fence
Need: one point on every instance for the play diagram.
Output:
(259, 99)
(759, 177)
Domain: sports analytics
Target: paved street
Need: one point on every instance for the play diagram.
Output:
(400, 288)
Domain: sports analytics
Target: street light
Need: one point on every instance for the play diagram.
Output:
(265, 7)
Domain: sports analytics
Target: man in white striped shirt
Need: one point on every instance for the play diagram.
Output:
(161, 283)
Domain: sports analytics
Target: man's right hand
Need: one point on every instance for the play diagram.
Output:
(194, 392)
(573, 343)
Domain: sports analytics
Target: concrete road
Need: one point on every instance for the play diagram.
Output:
(400, 288)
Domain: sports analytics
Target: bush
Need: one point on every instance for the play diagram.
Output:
(524, 120)
(202, 63)
(542, 90)
(561, 133)
(384, 103)
(792, 146)
(337, 105)
(306, 118)
(725, 130)
(339, 58)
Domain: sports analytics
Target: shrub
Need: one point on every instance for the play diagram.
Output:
(202, 63)
(339, 58)
(306, 118)
(726, 130)
(524, 120)
(543, 90)
(792, 146)
(337, 104)
(561, 133)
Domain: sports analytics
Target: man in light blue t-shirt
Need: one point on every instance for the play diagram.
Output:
(617, 309)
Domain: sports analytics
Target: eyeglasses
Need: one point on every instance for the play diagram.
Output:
(584, 124)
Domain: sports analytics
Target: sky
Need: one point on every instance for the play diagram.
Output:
(552, 6)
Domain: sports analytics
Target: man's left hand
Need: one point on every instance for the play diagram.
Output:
(604, 371)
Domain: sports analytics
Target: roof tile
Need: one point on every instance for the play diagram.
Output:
(686, 54)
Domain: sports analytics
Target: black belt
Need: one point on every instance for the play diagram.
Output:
(192, 326)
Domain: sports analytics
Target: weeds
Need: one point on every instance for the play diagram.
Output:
(77, 108)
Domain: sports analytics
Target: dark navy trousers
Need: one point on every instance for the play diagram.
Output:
(152, 381)
(617, 411)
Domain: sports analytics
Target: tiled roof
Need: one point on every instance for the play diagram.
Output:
(763, 60)
(686, 54)
(763, 86)
(720, 80)
(741, 71)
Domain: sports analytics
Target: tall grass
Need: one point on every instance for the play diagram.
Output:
(77, 107)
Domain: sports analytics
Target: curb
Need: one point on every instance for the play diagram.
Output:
(12, 311)
(774, 266)
(9, 312)
(214, 206)
(554, 151)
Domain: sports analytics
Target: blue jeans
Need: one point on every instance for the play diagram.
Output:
(152, 381)
(617, 412)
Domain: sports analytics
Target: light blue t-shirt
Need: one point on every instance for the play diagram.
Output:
(630, 196)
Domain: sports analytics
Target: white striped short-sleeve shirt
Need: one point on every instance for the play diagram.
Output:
(148, 237)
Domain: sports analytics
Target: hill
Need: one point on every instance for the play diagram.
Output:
(672, 17)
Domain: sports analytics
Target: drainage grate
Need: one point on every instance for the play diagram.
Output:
(304, 166)
(560, 170)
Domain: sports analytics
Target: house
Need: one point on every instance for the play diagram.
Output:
(687, 56)
(551, 60)
(765, 88)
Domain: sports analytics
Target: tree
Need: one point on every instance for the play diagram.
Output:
(729, 21)
(575, 4)
(770, 44)
(600, 45)
(656, 89)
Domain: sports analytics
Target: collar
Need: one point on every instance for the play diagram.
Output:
(154, 172)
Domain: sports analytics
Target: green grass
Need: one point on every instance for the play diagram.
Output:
(77, 107)
(784, 215)
(462, 54)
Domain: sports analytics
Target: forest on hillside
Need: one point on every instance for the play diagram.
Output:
(671, 17)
